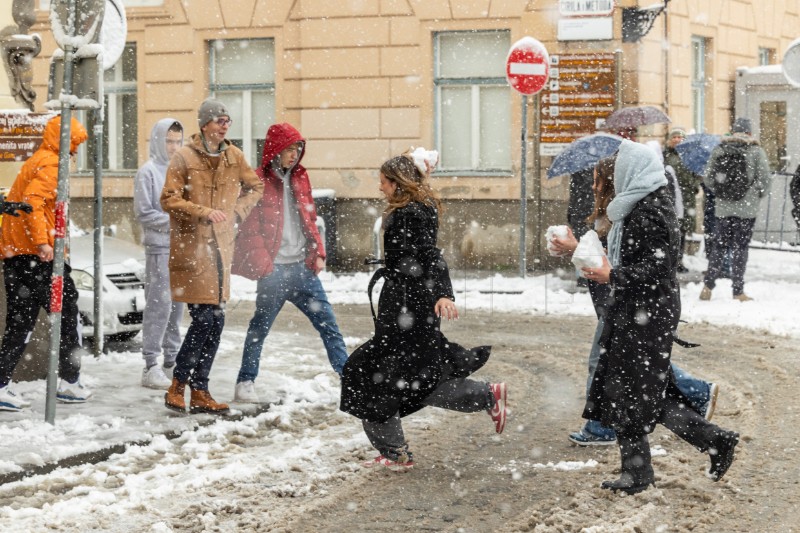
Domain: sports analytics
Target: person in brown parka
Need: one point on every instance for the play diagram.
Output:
(208, 188)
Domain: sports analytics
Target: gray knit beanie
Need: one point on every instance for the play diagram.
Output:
(209, 110)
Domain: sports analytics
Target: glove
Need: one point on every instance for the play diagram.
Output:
(11, 208)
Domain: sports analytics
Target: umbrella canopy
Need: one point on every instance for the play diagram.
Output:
(584, 153)
(696, 149)
(633, 117)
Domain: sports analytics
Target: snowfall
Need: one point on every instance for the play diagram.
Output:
(125, 415)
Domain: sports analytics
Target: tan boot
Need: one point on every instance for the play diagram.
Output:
(705, 294)
(174, 399)
(202, 402)
(743, 298)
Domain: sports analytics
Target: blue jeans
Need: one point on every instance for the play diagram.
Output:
(200, 345)
(696, 390)
(295, 283)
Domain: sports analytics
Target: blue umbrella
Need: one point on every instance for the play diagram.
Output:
(696, 149)
(584, 153)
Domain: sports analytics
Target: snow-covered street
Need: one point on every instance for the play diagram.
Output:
(293, 464)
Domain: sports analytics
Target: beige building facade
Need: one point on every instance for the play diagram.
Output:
(364, 80)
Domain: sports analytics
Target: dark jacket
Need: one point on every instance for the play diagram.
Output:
(757, 169)
(634, 373)
(689, 183)
(581, 201)
(408, 356)
(259, 237)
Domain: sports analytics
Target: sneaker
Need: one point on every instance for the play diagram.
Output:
(168, 370)
(498, 410)
(384, 462)
(705, 294)
(742, 298)
(10, 401)
(72, 392)
(711, 404)
(245, 392)
(155, 378)
(584, 438)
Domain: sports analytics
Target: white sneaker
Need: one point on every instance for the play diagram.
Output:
(245, 392)
(10, 401)
(72, 392)
(154, 378)
(169, 370)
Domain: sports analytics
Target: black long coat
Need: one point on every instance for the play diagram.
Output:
(408, 356)
(633, 375)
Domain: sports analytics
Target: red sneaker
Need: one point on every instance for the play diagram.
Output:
(394, 466)
(498, 410)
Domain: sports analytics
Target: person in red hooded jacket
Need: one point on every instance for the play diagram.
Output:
(280, 246)
(27, 244)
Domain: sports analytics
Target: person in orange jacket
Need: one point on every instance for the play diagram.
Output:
(27, 244)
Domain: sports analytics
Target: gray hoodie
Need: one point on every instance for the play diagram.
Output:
(147, 191)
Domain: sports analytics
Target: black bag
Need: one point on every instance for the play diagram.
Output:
(731, 180)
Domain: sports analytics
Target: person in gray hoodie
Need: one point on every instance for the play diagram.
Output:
(162, 316)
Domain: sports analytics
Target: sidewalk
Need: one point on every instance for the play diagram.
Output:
(122, 413)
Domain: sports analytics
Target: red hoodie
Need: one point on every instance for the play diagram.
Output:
(260, 235)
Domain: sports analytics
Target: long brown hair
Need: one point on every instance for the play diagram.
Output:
(603, 194)
(412, 185)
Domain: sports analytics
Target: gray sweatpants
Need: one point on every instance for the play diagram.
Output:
(460, 394)
(162, 316)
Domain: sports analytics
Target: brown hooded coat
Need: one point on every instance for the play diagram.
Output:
(192, 190)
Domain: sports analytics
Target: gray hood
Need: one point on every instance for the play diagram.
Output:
(158, 137)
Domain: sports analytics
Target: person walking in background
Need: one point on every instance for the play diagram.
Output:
(27, 243)
(162, 316)
(280, 246)
(581, 200)
(408, 363)
(702, 395)
(633, 387)
(689, 184)
(208, 189)
(739, 176)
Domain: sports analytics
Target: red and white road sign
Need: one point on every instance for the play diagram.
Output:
(528, 66)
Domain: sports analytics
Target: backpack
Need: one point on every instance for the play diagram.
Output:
(731, 179)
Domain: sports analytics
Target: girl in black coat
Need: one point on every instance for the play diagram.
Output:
(408, 363)
(633, 387)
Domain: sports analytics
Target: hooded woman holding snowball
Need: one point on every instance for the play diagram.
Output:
(633, 387)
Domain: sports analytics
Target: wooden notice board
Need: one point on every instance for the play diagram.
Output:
(577, 99)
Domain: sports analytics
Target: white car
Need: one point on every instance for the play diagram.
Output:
(123, 285)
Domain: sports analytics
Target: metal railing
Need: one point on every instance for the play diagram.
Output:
(775, 227)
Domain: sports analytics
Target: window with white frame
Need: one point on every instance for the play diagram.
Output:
(699, 51)
(473, 101)
(242, 75)
(766, 56)
(121, 119)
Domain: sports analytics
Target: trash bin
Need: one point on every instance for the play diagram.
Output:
(325, 200)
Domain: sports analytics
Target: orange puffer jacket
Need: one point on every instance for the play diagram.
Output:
(37, 184)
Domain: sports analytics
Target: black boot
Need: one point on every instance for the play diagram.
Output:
(722, 454)
(637, 470)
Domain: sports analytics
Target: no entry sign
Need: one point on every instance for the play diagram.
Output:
(527, 66)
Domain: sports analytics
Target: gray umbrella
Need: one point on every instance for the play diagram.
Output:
(633, 117)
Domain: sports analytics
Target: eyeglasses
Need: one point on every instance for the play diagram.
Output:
(222, 121)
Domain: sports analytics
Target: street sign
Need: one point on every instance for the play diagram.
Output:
(87, 17)
(791, 63)
(113, 33)
(579, 97)
(584, 8)
(527, 66)
(21, 134)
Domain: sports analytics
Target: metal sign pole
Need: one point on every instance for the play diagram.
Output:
(98, 231)
(537, 170)
(523, 189)
(62, 206)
